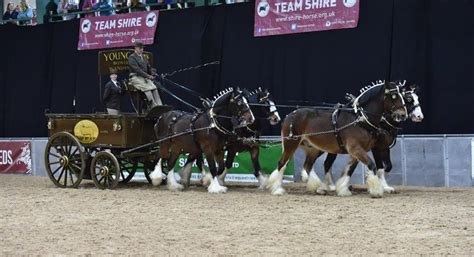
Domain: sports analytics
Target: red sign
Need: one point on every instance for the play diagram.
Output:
(117, 30)
(276, 17)
(15, 157)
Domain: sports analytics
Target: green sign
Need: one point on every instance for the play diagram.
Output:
(242, 168)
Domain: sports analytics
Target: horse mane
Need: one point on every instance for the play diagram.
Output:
(256, 91)
(221, 96)
(367, 93)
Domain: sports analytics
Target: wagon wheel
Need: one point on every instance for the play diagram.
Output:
(105, 170)
(147, 173)
(65, 160)
(127, 170)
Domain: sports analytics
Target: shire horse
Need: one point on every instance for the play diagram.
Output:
(204, 132)
(263, 108)
(346, 132)
(390, 127)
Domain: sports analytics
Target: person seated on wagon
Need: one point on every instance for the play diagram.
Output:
(142, 75)
(112, 94)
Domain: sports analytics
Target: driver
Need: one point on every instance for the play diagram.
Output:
(142, 75)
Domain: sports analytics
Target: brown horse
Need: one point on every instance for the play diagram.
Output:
(352, 132)
(205, 132)
(381, 151)
(263, 107)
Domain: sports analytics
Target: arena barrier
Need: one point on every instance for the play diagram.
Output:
(418, 160)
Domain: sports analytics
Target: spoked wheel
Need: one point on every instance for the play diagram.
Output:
(105, 170)
(127, 170)
(65, 160)
(147, 173)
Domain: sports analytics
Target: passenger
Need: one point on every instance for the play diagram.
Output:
(112, 94)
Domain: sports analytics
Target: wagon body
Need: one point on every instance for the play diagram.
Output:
(103, 130)
(102, 147)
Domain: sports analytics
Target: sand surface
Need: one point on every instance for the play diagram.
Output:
(37, 218)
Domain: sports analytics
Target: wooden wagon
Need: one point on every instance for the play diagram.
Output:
(104, 148)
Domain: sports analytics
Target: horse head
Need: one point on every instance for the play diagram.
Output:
(394, 103)
(270, 110)
(412, 101)
(233, 102)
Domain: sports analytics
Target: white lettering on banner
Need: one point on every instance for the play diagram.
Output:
(122, 23)
(101, 25)
(316, 4)
(131, 22)
(283, 7)
(182, 162)
(297, 5)
(6, 157)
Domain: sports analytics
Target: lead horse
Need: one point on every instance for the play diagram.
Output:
(264, 108)
(352, 133)
(204, 132)
(381, 151)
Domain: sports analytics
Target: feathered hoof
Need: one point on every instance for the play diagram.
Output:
(344, 192)
(263, 181)
(278, 191)
(374, 186)
(321, 191)
(389, 190)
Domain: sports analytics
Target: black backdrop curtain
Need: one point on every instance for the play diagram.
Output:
(429, 42)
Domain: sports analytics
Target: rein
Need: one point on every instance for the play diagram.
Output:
(303, 106)
(189, 68)
(194, 108)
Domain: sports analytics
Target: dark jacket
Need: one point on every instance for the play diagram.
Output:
(136, 65)
(112, 95)
(10, 16)
(51, 9)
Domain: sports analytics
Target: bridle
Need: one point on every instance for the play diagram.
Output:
(239, 117)
(393, 97)
(271, 105)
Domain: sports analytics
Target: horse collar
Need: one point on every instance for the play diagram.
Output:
(215, 123)
(363, 119)
(389, 123)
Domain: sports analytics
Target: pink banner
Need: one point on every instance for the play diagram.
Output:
(276, 17)
(15, 157)
(117, 30)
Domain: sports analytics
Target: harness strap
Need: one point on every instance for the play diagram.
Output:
(215, 124)
(334, 117)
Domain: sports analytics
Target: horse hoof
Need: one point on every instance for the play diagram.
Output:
(332, 188)
(389, 190)
(156, 181)
(321, 191)
(278, 191)
(344, 193)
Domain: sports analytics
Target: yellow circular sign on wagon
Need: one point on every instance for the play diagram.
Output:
(86, 131)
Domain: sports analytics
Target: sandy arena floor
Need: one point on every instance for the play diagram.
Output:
(36, 218)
